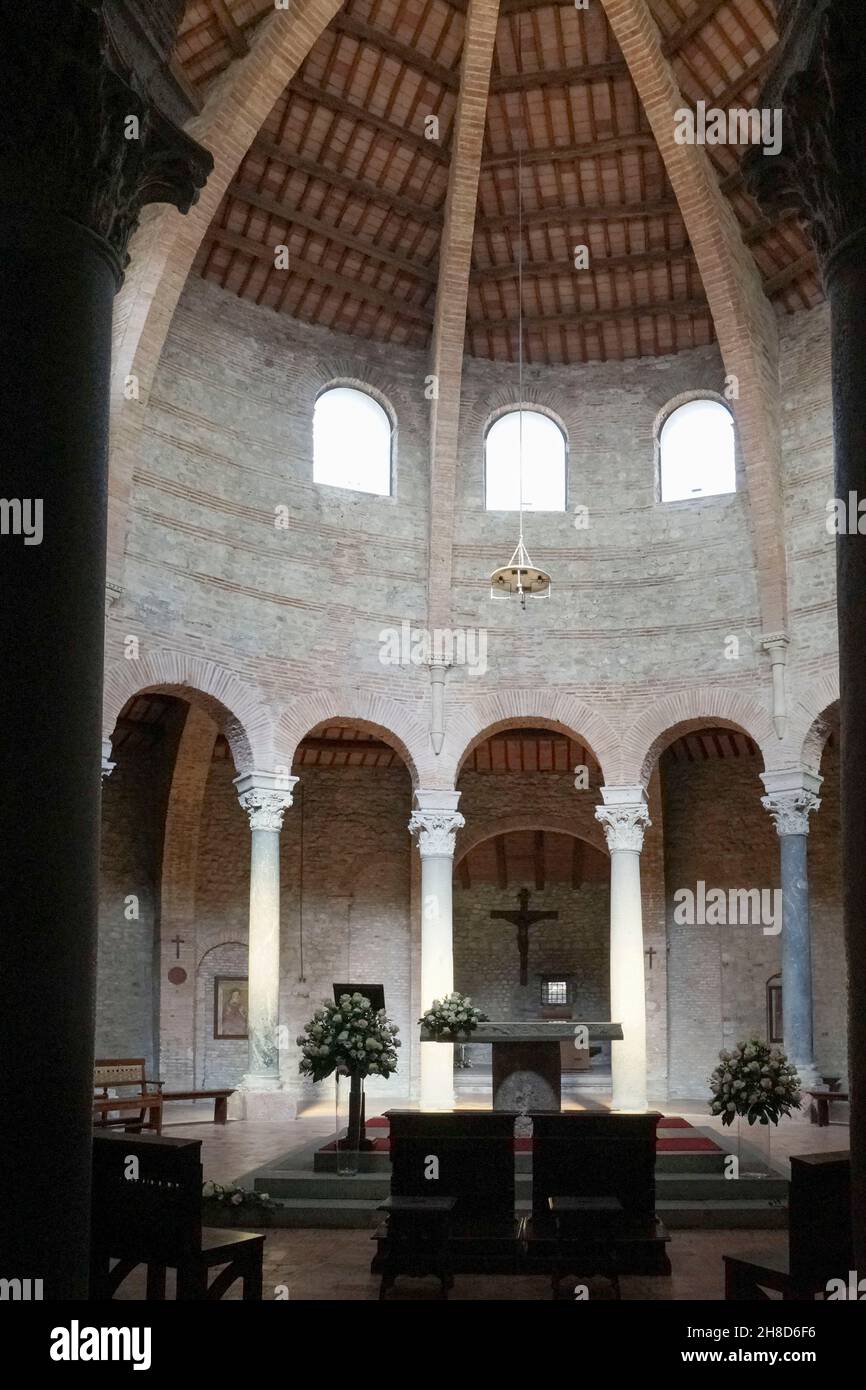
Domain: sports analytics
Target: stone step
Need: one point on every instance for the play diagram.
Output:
(677, 1215)
(687, 1186)
(742, 1215)
(324, 1187)
(712, 1187)
(681, 1161)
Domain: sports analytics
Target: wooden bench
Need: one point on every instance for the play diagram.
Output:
(820, 1244)
(146, 1099)
(822, 1101)
(220, 1100)
(152, 1217)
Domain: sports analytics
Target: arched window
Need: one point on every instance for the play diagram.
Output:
(352, 441)
(697, 456)
(543, 463)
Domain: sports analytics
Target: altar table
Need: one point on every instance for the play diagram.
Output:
(527, 1070)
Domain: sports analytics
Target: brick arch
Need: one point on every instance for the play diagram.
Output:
(809, 723)
(386, 718)
(684, 713)
(165, 246)
(505, 825)
(238, 709)
(470, 724)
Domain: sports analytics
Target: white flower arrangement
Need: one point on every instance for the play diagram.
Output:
(754, 1080)
(232, 1196)
(350, 1039)
(455, 1014)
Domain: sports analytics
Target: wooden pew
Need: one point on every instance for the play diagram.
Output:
(464, 1159)
(154, 1218)
(145, 1099)
(605, 1159)
(820, 1244)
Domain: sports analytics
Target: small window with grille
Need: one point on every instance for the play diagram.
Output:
(554, 991)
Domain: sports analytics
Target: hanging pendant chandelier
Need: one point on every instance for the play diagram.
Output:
(520, 577)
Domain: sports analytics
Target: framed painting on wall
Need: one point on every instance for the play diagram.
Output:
(230, 1006)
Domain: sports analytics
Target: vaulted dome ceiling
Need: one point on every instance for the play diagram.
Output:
(343, 173)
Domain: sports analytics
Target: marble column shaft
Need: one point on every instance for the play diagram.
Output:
(625, 818)
(790, 811)
(434, 823)
(265, 798)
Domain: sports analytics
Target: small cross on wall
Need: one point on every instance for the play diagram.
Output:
(652, 953)
(177, 942)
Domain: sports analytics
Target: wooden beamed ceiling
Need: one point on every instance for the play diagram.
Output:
(344, 175)
(533, 859)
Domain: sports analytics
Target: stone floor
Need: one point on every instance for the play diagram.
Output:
(335, 1264)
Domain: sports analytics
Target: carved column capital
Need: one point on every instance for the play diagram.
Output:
(435, 831)
(817, 82)
(624, 826)
(81, 137)
(435, 821)
(624, 816)
(791, 810)
(265, 796)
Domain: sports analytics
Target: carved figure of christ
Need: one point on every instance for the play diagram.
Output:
(523, 920)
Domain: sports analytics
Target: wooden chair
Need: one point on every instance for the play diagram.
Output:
(820, 1244)
(145, 1099)
(146, 1210)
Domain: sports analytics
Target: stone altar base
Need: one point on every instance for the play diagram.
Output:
(527, 1075)
(262, 1105)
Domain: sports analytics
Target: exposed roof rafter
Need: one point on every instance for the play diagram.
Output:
(449, 329)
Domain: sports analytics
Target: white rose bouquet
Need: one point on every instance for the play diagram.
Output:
(754, 1080)
(349, 1038)
(455, 1014)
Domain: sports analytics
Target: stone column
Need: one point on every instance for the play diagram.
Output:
(434, 823)
(72, 183)
(818, 80)
(790, 799)
(265, 797)
(625, 817)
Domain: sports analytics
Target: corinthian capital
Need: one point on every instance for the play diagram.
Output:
(624, 816)
(435, 821)
(434, 831)
(265, 796)
(790, 810)
(624, 826)
(817, 82)
(81, 136)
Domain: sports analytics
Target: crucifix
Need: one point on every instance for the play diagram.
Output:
(523, 920)
(177, 942)
(652, 953)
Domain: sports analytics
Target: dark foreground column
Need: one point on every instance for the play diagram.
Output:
(71, 186)
(819, 81)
